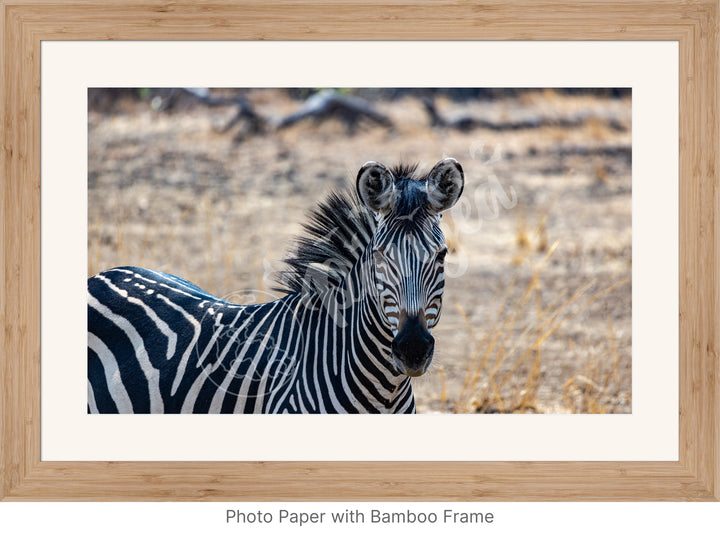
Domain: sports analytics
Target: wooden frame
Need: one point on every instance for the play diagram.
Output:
(696, 476)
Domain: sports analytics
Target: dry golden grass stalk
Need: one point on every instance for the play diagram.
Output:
(588, 392)
(508, 347)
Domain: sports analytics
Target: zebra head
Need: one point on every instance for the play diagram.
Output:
(408, 252)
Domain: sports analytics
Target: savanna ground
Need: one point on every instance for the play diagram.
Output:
(537, 303)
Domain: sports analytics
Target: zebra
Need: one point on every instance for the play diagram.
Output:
(363, 290)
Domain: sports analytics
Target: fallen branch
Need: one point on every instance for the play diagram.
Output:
(330, 103)
(469, 123)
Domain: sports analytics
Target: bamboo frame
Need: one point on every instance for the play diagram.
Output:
(694, 24)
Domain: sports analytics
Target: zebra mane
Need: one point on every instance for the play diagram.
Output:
(335, 236)
(334, 239)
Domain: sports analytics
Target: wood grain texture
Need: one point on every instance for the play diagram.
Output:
(694, 24)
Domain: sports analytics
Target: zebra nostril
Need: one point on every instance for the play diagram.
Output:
(429, 340)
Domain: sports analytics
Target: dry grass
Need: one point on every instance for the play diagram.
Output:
(587, 392)
(514, 344)
(503, 371)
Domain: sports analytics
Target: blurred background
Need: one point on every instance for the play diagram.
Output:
(213, 184)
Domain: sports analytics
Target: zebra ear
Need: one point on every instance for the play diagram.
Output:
(445, 185)
(376, 186)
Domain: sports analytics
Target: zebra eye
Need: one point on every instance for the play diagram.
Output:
(440, 258)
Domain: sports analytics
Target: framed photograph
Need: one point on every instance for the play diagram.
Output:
(577, 354)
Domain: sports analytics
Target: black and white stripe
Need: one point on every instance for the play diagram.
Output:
(337, 342)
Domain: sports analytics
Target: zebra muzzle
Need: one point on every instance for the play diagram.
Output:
(412, 348)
